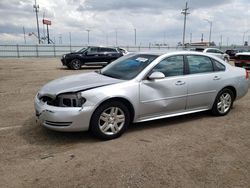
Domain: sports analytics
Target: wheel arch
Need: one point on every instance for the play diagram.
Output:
(125, 101)
(232, 89)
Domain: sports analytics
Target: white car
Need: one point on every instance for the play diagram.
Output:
(140, 87)
(214, 51)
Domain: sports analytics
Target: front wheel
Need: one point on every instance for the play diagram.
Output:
(223, 102)
(75, 64)
(226, 59)
(110, 120)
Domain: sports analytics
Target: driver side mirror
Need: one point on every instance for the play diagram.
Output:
(156, 76)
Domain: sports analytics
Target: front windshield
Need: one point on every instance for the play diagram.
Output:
(81, 50)
(128, 67)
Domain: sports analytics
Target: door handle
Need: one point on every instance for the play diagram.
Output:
(217, 78)
(179, 83)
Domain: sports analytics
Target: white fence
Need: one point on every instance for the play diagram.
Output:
(59, 50)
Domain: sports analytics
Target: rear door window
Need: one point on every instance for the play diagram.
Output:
(218, 66)
(199, 64)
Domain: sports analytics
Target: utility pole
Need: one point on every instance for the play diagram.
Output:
(70, 38)
(220, 40)
(88, 30)
(43, 27)
(48, 33)
(210, 29)
(24, 35)
(135, 36)
(164, 41)
(36, 9)
(60, 39)
(190, 38)
(116, 37)
(185, 13)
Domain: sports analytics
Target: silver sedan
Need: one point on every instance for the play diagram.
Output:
(140, 87)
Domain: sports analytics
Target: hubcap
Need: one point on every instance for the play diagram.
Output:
(111, 120)
(224, 103)
(76, 64)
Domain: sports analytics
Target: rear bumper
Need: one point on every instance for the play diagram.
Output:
(245, 65)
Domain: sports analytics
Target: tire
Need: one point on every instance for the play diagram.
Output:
(223, 102)
(105, 123)
(226, 60)
(75, 64)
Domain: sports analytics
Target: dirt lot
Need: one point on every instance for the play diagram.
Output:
(189, 151)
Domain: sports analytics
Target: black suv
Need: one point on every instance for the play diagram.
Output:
(91, 56)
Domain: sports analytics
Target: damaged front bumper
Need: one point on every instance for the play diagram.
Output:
(67, 119)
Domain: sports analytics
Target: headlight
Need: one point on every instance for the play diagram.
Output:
(71, 100)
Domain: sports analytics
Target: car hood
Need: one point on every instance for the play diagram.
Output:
(76, 83)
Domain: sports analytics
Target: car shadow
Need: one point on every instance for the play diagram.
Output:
(35, 134)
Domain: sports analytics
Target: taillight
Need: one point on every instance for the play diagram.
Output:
(247, 76)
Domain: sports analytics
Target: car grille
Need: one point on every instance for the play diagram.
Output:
(58, 124)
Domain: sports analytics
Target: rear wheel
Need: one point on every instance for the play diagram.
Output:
(226, 59)
(75, 64)
(223, 102)
(110, 120)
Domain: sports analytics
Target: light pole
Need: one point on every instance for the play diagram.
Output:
(244, 33)
(135, 36)
(210, 29)
(24, 35)
(36, 9)
(116, 37)
(88, 30)
(185, 13)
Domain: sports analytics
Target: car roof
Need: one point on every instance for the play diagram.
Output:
(101, 47)
(243, 53)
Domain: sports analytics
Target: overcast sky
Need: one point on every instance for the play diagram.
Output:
(155, 21)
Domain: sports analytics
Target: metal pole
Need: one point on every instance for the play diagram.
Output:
(185, 13)
(70, 41)
(221, 40)
(43, 27)
(116, 37)
(36, 8)
(24, 36)
(88, 35)
(210, 29)
(190, 38)
(135, 36)
(48, 33)
(210, 32)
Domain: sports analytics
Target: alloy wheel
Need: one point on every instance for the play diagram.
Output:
(111, 120)
(224, 103)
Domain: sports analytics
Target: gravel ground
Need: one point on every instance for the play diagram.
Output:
(195, 150)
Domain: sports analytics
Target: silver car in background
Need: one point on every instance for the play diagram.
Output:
(140, 87)
(215, 52)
